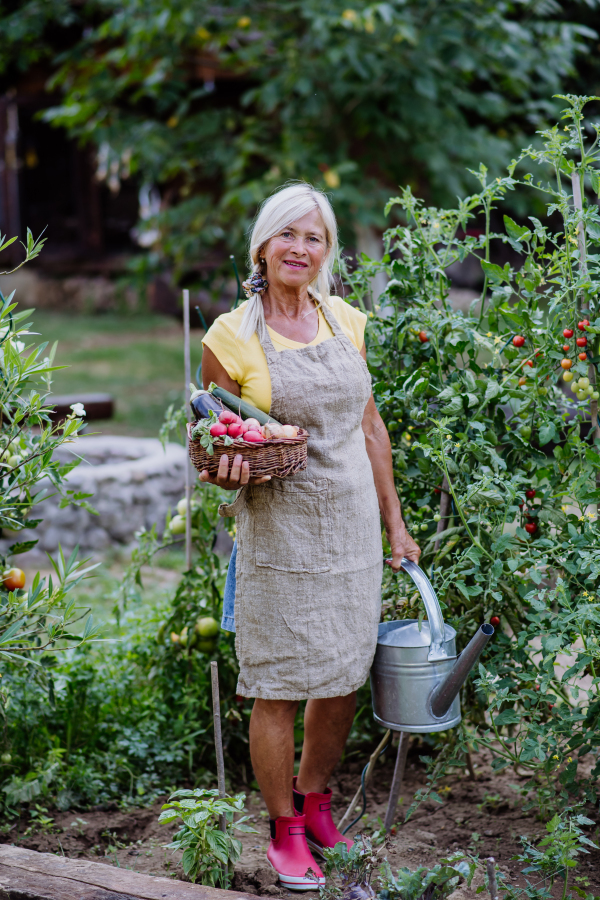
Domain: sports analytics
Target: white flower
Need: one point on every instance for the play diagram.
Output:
(78, 409)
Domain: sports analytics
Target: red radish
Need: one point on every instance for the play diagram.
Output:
(235, 430)
(568, 333)
(253, 437)
(252, 424)
(227, 417)
(495, 621)
(583, 324)
(581, 342)
(218, 429)
(518, 340)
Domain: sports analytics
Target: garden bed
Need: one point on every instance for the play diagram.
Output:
(484, 816)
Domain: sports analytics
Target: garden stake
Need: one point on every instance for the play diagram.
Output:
(442, 525)
(368, 772)
(490, 864)
(397, 780)
(214, 676)
(188, 467)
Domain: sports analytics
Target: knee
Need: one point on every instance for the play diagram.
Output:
(276, 711)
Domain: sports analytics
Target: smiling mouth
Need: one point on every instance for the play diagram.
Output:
(295, 265)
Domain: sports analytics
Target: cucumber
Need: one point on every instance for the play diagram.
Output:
(239, 406)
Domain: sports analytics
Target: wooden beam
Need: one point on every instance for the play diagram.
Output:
(28, 875)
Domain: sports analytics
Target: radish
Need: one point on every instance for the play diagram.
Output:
(252, 424)
(253, 437)
(235, 430)
(227, 417)
(218, 429)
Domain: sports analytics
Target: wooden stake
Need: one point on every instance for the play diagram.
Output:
(490, 865)
(397, 780)
(214, 677)
(583, 270)
(354, 802)
(188, 468)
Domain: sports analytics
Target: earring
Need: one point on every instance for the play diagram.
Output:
(321, 269)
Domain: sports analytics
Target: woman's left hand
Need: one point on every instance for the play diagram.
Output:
(402, 545)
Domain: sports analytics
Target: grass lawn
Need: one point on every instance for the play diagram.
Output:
(137, 359)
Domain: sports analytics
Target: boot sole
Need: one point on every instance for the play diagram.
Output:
(297, 882)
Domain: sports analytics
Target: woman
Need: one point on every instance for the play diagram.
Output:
(309, 558)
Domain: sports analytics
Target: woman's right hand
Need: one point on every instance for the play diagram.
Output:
(236, 478)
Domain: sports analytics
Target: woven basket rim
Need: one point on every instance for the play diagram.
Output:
(300, 438)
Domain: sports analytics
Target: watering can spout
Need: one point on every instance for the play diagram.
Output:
(443, 695)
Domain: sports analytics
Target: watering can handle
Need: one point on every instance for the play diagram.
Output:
(437, 650)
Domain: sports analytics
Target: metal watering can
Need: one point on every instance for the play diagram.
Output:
(416, 675)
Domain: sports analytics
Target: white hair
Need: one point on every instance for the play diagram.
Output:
(277, 212)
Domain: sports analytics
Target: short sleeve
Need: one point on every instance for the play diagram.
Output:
(352, 320)
(220, 339)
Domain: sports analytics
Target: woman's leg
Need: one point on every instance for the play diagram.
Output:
(327, 724)
(272, 752)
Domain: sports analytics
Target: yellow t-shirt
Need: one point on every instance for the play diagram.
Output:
(246, 363)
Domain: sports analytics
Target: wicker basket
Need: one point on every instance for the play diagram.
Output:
(281, 457)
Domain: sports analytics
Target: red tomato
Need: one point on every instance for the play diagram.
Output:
(568, 333)
(530, 494)
(582, 356)
(522, 380)
(495, 621)
(531, 528)
(423, 337)
(566, 363)
(518, 340)
(13, 579)
(528, 363)
(581, 342)
(566, 348)
(583, 324)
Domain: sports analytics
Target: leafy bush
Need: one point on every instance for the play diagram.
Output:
(208, 851)
(483, 432)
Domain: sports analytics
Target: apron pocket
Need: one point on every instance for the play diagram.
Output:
(292, 527)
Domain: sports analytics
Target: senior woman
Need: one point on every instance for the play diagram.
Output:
(308, 566)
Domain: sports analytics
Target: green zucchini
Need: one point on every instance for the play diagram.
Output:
(239, 406)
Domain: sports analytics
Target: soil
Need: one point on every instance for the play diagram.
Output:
(484, 816)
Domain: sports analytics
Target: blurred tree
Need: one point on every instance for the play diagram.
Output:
(219, 104)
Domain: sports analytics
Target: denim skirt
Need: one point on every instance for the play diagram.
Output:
(228, 619)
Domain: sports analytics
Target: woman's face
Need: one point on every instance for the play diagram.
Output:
(295, 255)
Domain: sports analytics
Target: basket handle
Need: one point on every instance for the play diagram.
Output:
(437, 649)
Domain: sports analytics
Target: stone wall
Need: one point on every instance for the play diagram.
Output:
(134, 481)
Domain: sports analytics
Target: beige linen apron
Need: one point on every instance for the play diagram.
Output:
(309, 559)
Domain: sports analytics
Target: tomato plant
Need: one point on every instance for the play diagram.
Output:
(474, 439)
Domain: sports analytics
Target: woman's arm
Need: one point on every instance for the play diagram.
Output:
(233, 480)
(380, 455)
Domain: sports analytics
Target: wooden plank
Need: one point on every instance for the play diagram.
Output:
(97, 406)
(82, 875)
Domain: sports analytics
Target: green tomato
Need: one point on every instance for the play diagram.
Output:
(6, 758)
(542, 391)
(584, 382)
(568, 376)
(575, 387)
(525, 432)
(595, 395)
(582, 395)
(437, 518)
(183, 637)
(206, 646)
(590, 389)
(523, 414)
(424, 526)
(207, 627)
(14, 460)
(177, 525)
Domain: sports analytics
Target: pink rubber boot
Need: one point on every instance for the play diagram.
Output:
(289, 855)
(320, 830)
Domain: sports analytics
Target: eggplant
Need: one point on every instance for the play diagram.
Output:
(202, 402)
